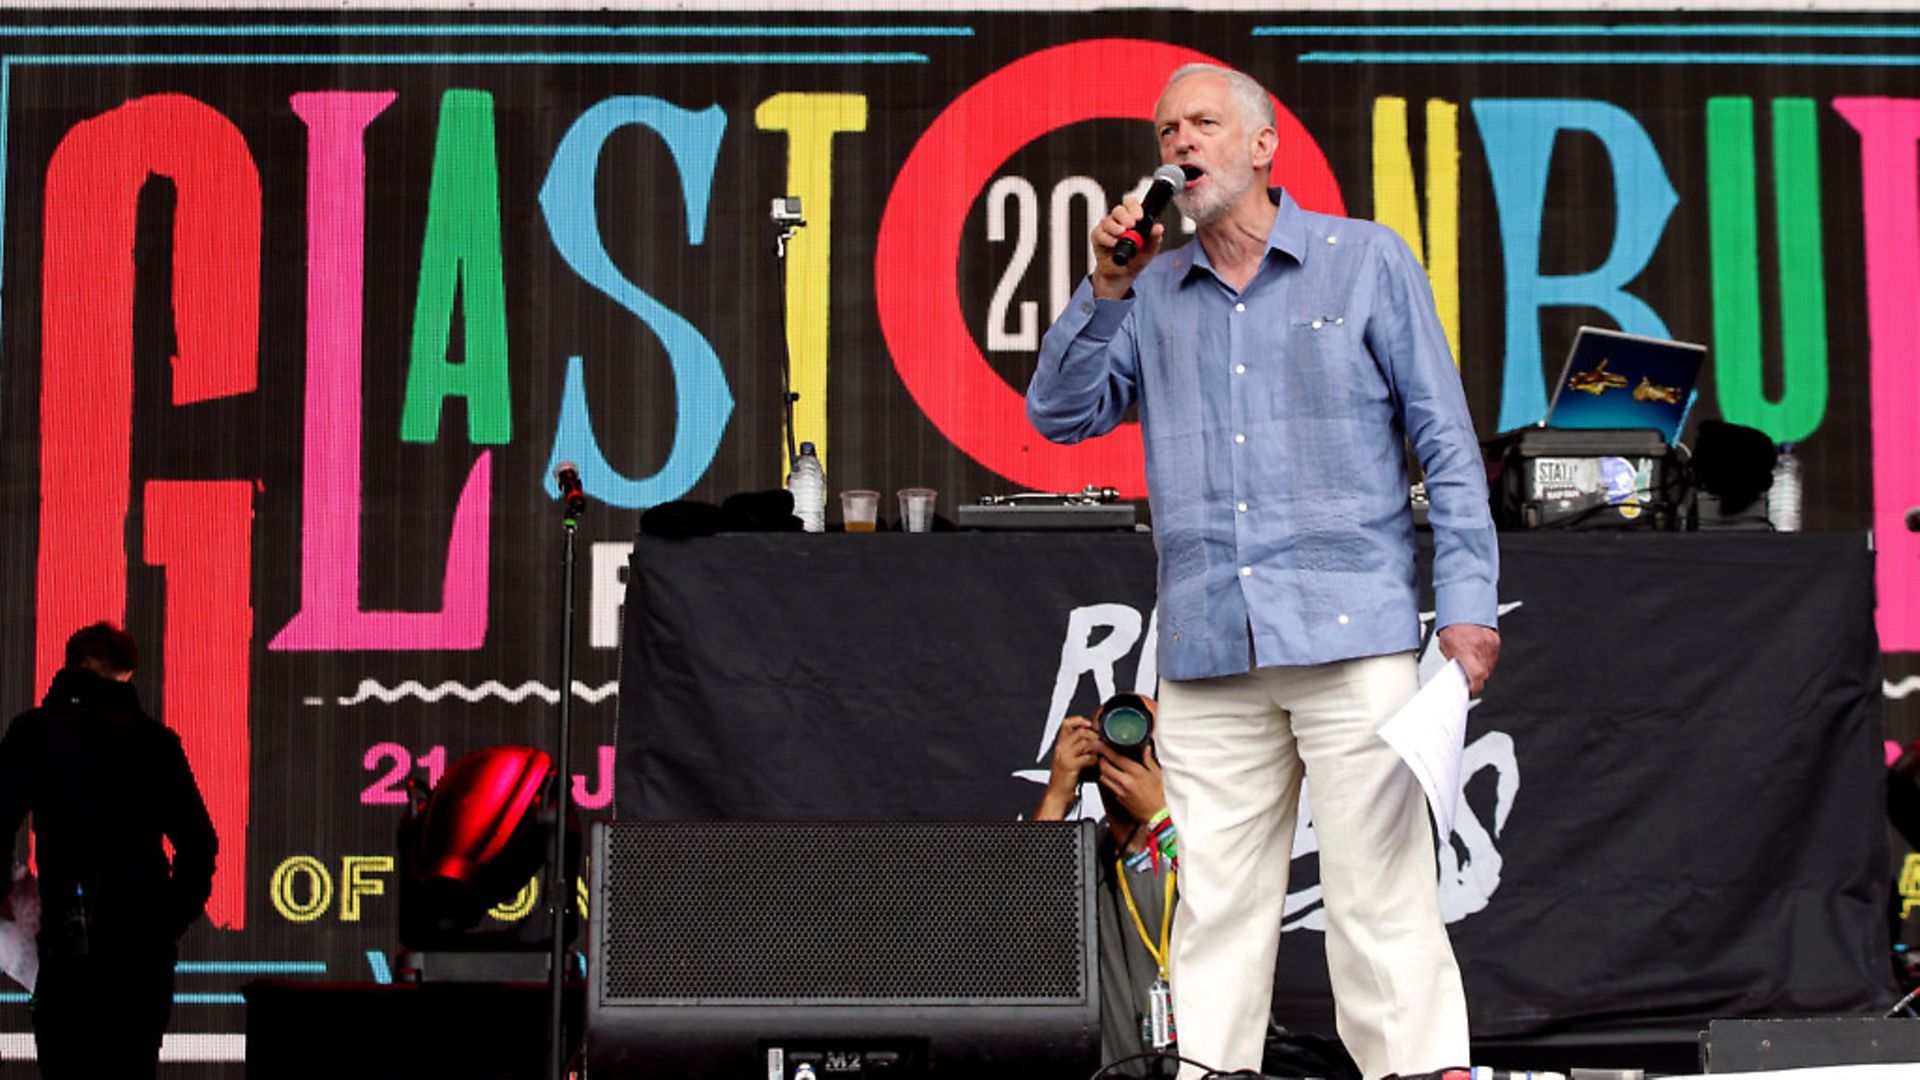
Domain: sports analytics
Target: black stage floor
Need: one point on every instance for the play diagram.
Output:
(481, 1031)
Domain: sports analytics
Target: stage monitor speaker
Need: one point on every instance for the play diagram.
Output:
(1734, 1046)
(916, 951)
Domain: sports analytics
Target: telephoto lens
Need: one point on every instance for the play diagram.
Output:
(1125, 724)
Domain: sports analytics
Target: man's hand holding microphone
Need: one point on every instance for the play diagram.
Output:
(1127, 239)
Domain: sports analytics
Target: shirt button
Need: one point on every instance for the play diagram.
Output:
(1240, 438)
(1341, 321)
(1246, 571)
(1317, 324)
(1333, 239)
(1239, 369)
(1239, 307)
(1086, 309)
(1242, 507)
(1343, 620)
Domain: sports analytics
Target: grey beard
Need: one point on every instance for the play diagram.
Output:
(1200, 215)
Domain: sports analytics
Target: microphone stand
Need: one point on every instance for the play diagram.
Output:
(787, 224)
(559, 888)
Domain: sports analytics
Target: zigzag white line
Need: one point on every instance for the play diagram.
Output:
(371, 689)
(1902, 688)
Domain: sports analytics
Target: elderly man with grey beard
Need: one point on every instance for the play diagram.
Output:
(1281, 364)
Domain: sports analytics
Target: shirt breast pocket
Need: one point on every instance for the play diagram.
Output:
(1324, 440)
(1326, 366)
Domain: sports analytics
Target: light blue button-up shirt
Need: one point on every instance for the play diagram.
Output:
(1275, 420)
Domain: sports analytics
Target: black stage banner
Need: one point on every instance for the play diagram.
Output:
(1672, 787)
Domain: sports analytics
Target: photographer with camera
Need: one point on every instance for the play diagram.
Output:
(1137, 892)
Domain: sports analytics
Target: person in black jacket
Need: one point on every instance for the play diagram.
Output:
(104, 783)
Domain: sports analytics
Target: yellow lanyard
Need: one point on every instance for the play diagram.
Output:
(1166, 916)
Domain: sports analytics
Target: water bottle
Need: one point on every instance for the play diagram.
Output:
(1783, 499)
(807, 482)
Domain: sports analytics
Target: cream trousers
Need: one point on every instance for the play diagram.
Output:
(1234, 750)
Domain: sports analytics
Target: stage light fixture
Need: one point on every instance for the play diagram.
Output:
(474, 842)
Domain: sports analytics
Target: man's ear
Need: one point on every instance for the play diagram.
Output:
(1266, 143)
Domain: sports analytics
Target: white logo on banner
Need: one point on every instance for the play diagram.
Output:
(1099, 636)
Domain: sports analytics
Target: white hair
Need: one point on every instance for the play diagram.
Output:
(1256, 107)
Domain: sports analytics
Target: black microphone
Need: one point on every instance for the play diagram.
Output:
(1167, 182)
(567, 475)
(1913, 519)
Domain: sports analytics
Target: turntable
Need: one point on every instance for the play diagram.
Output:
(1089, 508)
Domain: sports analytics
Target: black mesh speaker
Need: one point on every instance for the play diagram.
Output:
(863, 948)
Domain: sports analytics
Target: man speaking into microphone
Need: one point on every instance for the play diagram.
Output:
(1281, 365)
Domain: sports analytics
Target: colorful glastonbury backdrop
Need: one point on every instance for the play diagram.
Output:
(298, 319)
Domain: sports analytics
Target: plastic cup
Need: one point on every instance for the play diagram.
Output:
(916, 509)
(858, 509)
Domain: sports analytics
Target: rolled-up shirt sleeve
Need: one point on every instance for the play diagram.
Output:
(1089, 369)
(1412, 346)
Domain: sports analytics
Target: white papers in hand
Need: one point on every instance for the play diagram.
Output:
(1430, 735)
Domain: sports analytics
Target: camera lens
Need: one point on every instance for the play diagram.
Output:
(1124, 726)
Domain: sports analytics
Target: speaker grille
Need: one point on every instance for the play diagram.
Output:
(896, 912)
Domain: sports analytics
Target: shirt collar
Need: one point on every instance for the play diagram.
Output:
(1287, 235)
